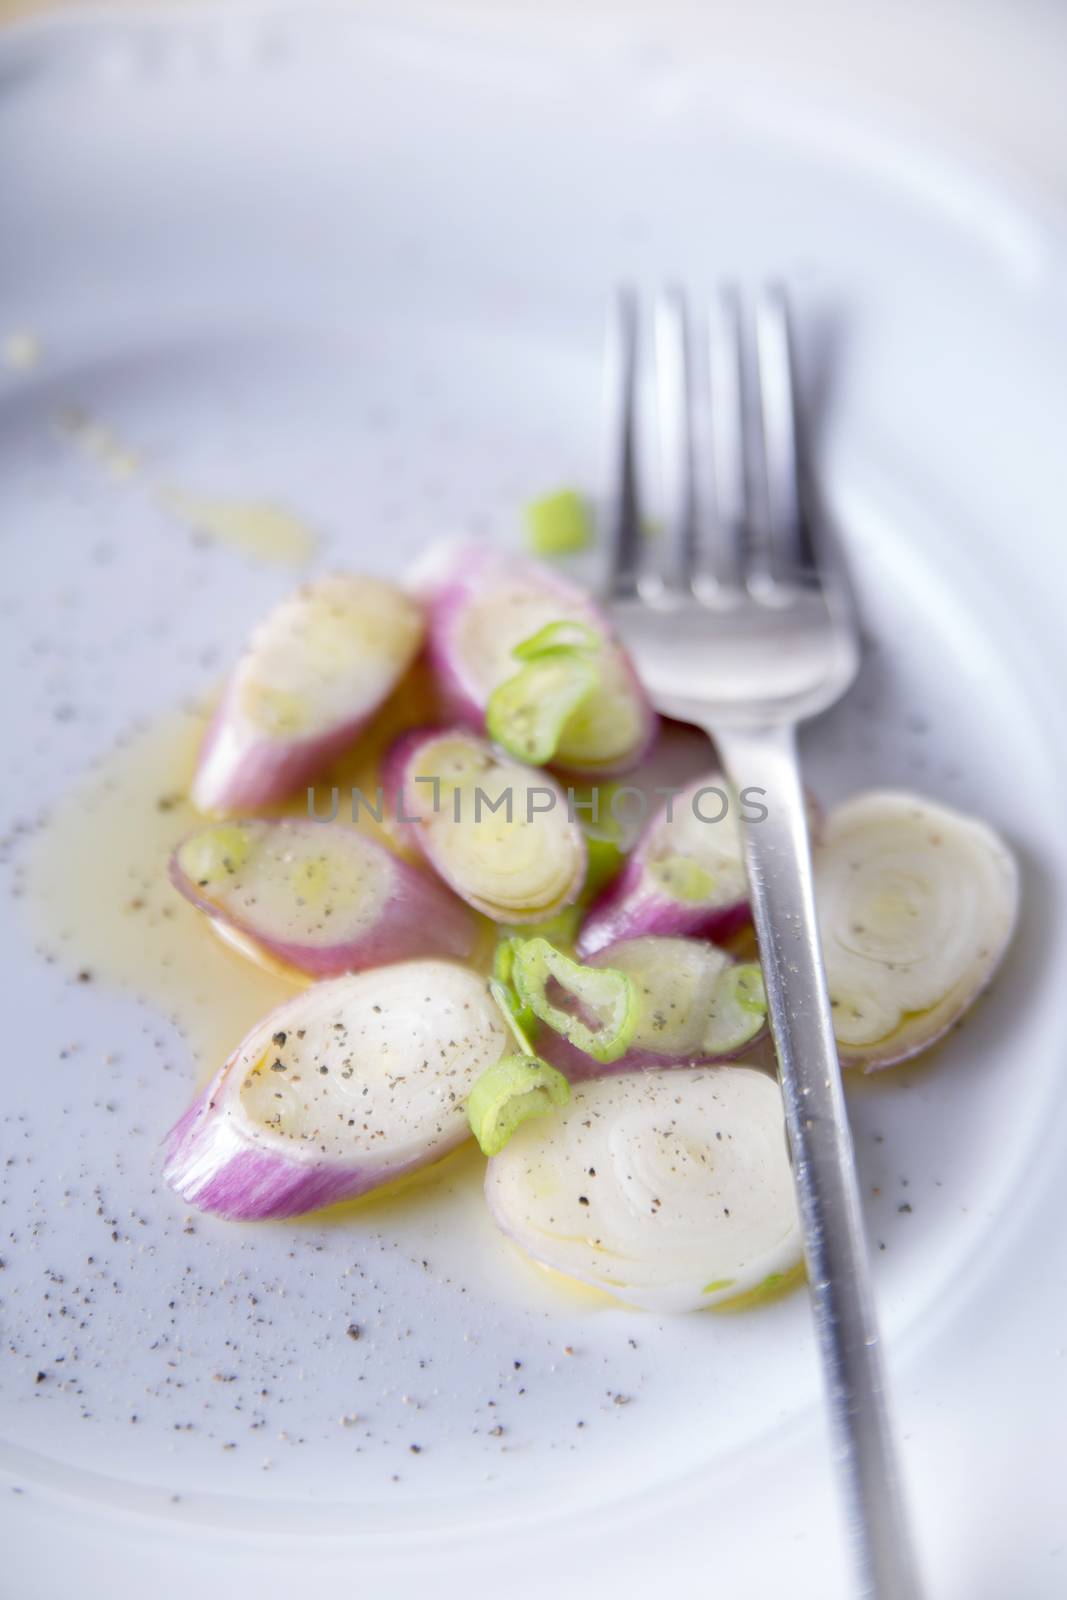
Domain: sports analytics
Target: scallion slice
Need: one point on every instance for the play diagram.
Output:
(604, 1000)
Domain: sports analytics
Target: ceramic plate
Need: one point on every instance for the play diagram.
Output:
(355, 273)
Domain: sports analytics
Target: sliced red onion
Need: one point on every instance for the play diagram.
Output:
(917, 904)
(670, 1190)
(693, 1002)
(311, 676)
(686, 874)
(347, 1086)
(482, 603)
(500, 834)
(319, 896)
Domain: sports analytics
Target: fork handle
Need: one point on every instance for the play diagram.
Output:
(778, 858)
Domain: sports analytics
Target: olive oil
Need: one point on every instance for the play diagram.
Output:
(100, 899)
(99, 895)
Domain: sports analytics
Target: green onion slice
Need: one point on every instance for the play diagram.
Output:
(557, 638)
(516, 1088)
(518, 1016)
(605, 995)
(527, 714)
(738, 1009)
(558, 524)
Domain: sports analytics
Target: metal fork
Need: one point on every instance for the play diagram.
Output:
(747, 629)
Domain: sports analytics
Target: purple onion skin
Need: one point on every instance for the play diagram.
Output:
(472, 568)
(243, 1183)
(456, 698)
(272, 769)
(398, 771)
(401, 795)
(633, 905)
(420, 918)
(576, 1066)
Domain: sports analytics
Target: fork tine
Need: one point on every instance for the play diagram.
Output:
(622, 499)
(675, 550)
(790, 555)
(721, 555)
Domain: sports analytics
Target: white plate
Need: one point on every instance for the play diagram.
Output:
(362, 269)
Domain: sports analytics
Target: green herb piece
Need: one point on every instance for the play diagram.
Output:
(737, 1009)
(607, 996)
(557, 638)
(526, 714)
(558, 524)
(502, 988)
(516, 1088)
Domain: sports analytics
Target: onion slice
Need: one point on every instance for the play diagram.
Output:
(686, 874)
(319, 896)
(349, 1085)
(694, 1002)
(312, 674)
(670, 1190)
(691, 1002)
(917, 904)
(483, 604)
(499, 833)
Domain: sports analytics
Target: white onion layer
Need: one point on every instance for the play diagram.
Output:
(916, 903)
(670, 1190)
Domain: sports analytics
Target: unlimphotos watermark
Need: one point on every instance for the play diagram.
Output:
(626, 805)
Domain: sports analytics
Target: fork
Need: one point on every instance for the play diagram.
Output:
(748, 629)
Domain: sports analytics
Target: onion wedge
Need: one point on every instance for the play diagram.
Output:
(917, 904)
(686, 874)
(349, 1085)
(499, 833)
(670, 1190)
(570, 696)
(319, 896)
(312, 675)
